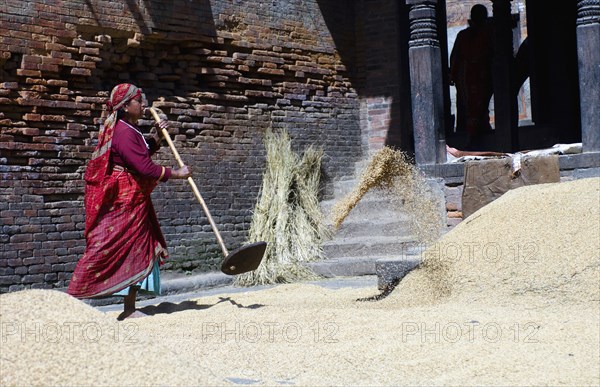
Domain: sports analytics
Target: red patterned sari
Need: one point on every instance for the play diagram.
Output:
(124, 242)
(123, 236)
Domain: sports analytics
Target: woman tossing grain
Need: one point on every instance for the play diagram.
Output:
(124, 242)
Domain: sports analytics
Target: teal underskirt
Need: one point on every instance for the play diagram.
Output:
(149, 285)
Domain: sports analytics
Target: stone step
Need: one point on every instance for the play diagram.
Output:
(370, 210)
(365, 228)
(346, 267)
(342, 187)
(345, 187)
(343, 267)
(373, 239)
(370, 246)
(372, 206)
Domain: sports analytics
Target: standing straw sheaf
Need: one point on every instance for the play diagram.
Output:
(287, 216)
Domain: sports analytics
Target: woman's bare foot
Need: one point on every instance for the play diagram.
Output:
(129, 310)
(130, 314)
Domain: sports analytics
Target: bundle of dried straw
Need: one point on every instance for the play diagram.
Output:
(287, 216)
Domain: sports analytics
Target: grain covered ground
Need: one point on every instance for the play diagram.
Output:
(508, 297)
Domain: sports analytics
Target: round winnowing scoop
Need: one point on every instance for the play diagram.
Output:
(242, 260)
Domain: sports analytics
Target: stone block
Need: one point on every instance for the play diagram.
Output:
(391, 270)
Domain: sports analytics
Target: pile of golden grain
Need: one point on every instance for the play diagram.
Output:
(49, 338)
(540, 241)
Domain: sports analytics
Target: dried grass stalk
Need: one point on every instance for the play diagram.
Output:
(287, 216)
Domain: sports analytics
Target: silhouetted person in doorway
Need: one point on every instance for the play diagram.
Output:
(471, 73)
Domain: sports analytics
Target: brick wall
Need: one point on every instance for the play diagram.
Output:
(222, 72)
(379, 36)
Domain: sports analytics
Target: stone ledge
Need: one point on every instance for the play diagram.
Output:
(174, 283)
(454, 172)
(578, 161)
(343, 267)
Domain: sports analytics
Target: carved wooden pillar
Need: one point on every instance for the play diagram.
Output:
(426, 83)
(505, 103)
(588, 52)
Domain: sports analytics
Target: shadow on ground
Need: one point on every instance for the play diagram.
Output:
(170, 307)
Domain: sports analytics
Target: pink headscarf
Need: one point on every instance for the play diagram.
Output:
(120, 95)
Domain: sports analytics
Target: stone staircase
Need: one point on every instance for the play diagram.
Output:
(374, 239)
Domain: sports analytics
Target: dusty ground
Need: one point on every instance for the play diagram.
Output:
(303, 335)
(307, 335)
(521, 306)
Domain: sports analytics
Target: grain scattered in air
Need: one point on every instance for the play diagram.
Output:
(391, 173)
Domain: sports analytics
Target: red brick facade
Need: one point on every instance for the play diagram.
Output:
(222, 72)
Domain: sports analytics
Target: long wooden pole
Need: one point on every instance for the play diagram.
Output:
(192, 184)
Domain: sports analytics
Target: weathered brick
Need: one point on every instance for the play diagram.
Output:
(9, 85)
(68, 62)
(78, 42)
(89, 50)
(32, 117)
(9, 279)
(5, 271)
(218, 129)
(30, 59)
(50, 277)
(60, 55)
(85, 64)
(41, 285)
(32, 278)
(21, 270)
(16, 288)
(53, 118)
(57, 82)
(39, 269)
(29, 73)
